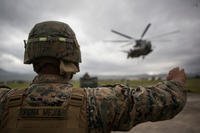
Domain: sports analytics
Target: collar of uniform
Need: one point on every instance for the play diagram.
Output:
(49, 78)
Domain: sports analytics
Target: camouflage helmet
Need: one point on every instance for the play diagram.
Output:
(52, 39)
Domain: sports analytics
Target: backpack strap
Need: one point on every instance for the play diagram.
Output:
(77, 97)
(76, 113)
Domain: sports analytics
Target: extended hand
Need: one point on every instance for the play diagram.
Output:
(177, 75)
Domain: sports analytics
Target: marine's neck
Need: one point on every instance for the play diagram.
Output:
(49, 70)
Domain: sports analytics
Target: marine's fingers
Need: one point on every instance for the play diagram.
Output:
(174, 70)
(183, 71)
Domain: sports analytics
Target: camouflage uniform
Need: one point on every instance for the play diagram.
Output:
(51, 104)
(94, 110)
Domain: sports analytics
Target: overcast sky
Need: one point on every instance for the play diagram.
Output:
(92, 20)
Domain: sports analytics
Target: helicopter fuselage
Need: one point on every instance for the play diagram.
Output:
(141, 48)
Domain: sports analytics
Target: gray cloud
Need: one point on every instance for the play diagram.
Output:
(92, 20)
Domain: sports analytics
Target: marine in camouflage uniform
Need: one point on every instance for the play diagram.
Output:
(51, 104)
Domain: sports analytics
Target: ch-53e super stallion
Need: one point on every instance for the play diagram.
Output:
(141, 46)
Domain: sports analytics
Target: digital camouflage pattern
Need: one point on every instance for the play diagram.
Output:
(100, 110)
(120, 108)
(46, 92)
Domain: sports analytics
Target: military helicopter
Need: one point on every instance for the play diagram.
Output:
(142, 47)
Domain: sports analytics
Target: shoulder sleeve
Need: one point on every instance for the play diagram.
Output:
(3, 95)
(120, 108)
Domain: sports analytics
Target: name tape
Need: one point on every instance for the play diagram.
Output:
(39, 112)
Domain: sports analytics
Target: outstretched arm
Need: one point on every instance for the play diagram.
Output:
(159, 102)
(120, 108)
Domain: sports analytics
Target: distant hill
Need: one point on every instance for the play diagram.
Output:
(8, 76)
(135, 77)
(124, 77)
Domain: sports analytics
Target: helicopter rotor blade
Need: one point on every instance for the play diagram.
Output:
(116, 41)
(162, 40)
(124, 51)
(165, 34)
(130, 43)
(145, 30)
(121, 34)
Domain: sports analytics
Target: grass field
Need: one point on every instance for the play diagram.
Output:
(193, 85)
(18, 85)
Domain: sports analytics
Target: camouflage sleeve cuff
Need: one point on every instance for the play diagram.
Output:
(172, 84)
